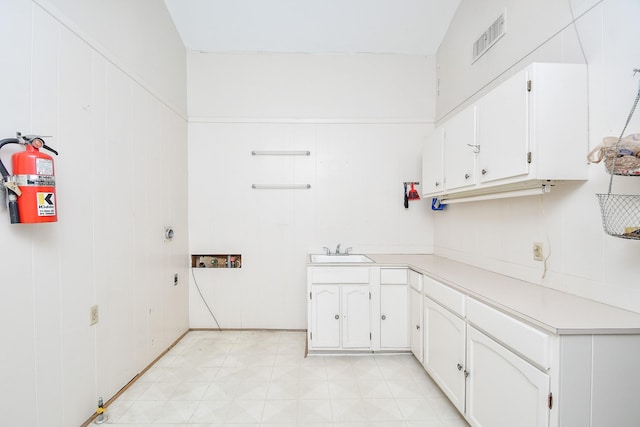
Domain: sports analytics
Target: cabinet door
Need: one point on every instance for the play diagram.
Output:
(394, 316)
(459, 150)
(503, 390)
(502, 126)
(415, 324)
(325, 316)
(432, 163)
(444, 351)
(356, 329)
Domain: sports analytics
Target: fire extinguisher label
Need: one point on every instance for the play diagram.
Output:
(46, 204)
(34, 180)
(44, 166)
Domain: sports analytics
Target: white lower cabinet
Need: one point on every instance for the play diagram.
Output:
(392, 321)
(416, 324)
(444, 351)
(490, 384)
(325, 316)
(394, 317)
(339, 308)
(503, 390)
(339, 317)
(497, 368)
(356, 329)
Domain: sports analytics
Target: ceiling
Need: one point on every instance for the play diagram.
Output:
(414, 27)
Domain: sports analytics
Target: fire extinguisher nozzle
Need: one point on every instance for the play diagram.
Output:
(13, 212)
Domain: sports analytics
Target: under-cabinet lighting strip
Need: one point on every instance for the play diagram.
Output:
(514, 193)
(281, 153)
(280, 186)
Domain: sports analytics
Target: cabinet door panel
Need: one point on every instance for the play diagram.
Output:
(459, 154)
(325, 306)
(502, 117)
(432, 163)
(394, 331)
(356, 330)
(502, 389)
(444, 351)
(415, 324)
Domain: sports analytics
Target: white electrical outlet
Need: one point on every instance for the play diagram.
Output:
(538, 253)
(93, 315)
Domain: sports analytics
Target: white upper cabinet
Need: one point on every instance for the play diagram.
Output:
(432, 167)
(534, 125)
(530, 129)
(558, 121)
(502, 131)
(460, 150)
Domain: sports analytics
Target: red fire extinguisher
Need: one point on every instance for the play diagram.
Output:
(31, 189)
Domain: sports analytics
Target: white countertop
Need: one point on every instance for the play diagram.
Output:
(551, 310)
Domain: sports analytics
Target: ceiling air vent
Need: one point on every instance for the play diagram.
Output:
(489, 37)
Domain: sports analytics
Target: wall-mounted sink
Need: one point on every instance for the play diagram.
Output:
(351, 258)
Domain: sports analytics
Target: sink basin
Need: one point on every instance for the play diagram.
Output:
(321, 258)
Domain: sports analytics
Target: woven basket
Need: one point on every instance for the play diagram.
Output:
(620, 157)
(620, 215)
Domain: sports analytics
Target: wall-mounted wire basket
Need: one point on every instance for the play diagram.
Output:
(621, 212)
(620, 215)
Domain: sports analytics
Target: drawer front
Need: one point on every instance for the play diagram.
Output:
(415, 280)
(393, 276)
(446, 296)
(339, 275)
(525, 340)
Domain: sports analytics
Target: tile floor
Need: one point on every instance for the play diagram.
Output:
(261, 378)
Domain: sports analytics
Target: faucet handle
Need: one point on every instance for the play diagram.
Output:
(349, 249)
(326, 250)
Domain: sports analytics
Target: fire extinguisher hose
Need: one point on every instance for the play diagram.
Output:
(3, 142)
(13, 197)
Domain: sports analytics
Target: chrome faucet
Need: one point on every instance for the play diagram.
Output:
(327, 251)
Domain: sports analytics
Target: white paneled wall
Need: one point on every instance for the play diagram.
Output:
(270, 87)
(498, 235)
(139, 33)
(121, 177)
(528, 26)
(356, 173)
(362, 117)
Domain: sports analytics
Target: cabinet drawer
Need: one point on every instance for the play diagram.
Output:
(393, 276)
(415, 280)
(339, 275)
(525, 340)
(444, 295)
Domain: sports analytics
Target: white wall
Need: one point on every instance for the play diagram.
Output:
(498, 235)
(140, 34)
(362, 117)
(121, 176)
(312, 87)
